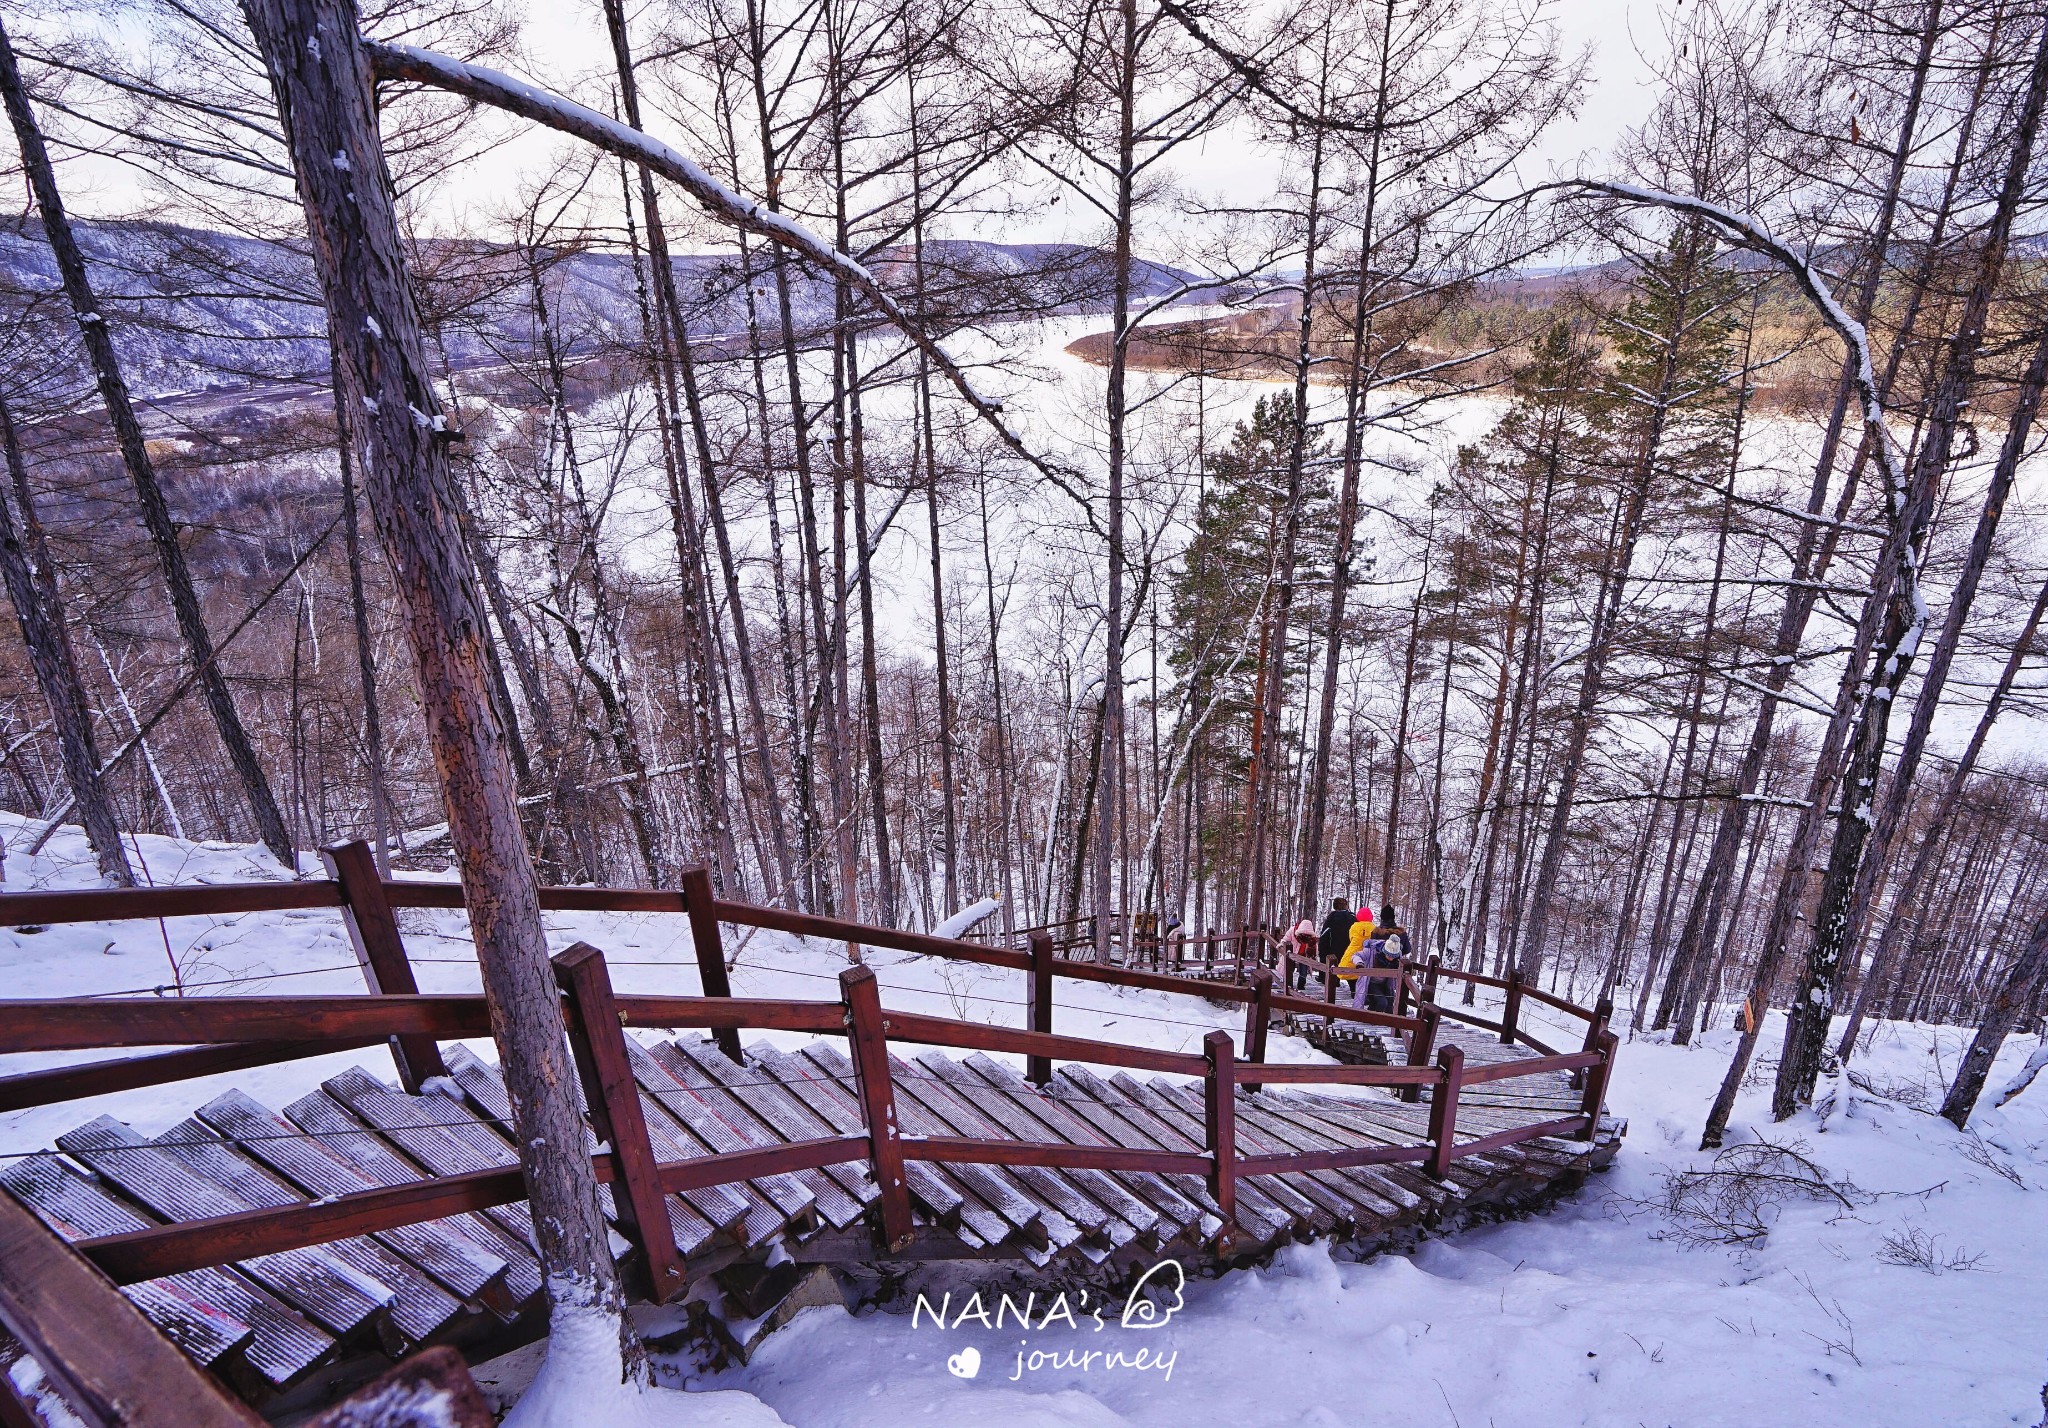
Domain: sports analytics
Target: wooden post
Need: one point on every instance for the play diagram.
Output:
(373, 928)
(1419, 1048)
(1436, 965)
(613, 1097)
(702, 904)
(1443, 1111)
(1219, 1115)
(1596, 1085)
(1038, 1069)
(1603, 1012)
(1401, 990)
(867, 1035)
(1511, 1018)
(1257, 1016)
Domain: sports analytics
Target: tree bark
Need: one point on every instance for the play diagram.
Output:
(1891, 815)
(32, 587)
(2021, 987)
(321, 76)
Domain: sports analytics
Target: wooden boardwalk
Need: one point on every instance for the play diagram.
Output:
(269, 1322)
(292, 1249)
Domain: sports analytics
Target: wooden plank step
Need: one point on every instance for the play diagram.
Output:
(933, 1192)
(1330, 1207)
(1050, 1187)
(320, 1114)
(279, 1344)
(1018, 1211)
(305, 1161)
(180, 1306)
(1289, 1126)
(1390, 1182)
(1047, 1119)
(95, 1346)
(310, 1280)
(1260, 1219)
(419, 1308)
(696, 1219)
(1035, 1219)
(760, 1220)
(1183, 1197)
(449, 1138)
(1311, 1215)
(710, 1111)
(1266, 1209)
(835, 1188)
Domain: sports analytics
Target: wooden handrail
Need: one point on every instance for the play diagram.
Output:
(1534, 1066)
(232, 1032)
(1291, 1075)
(978, 1036)
(86, 1024)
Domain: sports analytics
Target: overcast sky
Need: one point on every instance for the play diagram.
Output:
(567, 50)
(568, 37)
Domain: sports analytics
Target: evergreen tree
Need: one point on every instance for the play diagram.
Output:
(1222, 599)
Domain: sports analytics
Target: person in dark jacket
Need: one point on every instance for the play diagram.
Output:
(1394, 934)
(1336, 930)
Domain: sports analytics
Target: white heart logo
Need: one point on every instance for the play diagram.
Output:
(966, 1363)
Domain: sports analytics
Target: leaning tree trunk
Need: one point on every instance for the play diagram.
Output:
(156, 512)
(2022, 985)
(321, 76)
(1906, 893)
(1898, 586)
(1898, 795)
(32, 587)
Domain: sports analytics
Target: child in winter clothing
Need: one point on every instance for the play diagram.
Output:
(1388, 948)
(1355, 948)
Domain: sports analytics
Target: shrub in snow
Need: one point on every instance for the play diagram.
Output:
(1737, 1198)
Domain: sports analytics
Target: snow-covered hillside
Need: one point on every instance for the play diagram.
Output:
(1908, 1295)
(196, 311)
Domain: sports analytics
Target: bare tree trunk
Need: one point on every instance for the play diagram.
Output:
(1892, 815)
(1897, 588)
(322, 80)
(1614, 578)
(948, 790)
(156, 512)
(32, 587)
(1390, 858)
(2021, 987)
(1949, 803)
(1799, 604)
(1001, 717)
(381, 821)
(670, 302)
(1109, 765)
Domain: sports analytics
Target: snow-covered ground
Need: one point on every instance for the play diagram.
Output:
(1593, 1314)
(1587, 1315)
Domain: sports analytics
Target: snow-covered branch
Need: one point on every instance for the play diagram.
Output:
(516, 96)
(1750, 233)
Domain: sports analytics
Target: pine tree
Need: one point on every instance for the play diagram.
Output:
(1222, 601)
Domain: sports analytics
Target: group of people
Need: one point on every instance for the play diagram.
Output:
(1353, 942)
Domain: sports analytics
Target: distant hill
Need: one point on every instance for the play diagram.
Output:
(196, 311)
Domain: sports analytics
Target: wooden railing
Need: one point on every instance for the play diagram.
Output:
(224, 1033)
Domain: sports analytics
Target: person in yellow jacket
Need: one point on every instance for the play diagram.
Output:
(1354, 949)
